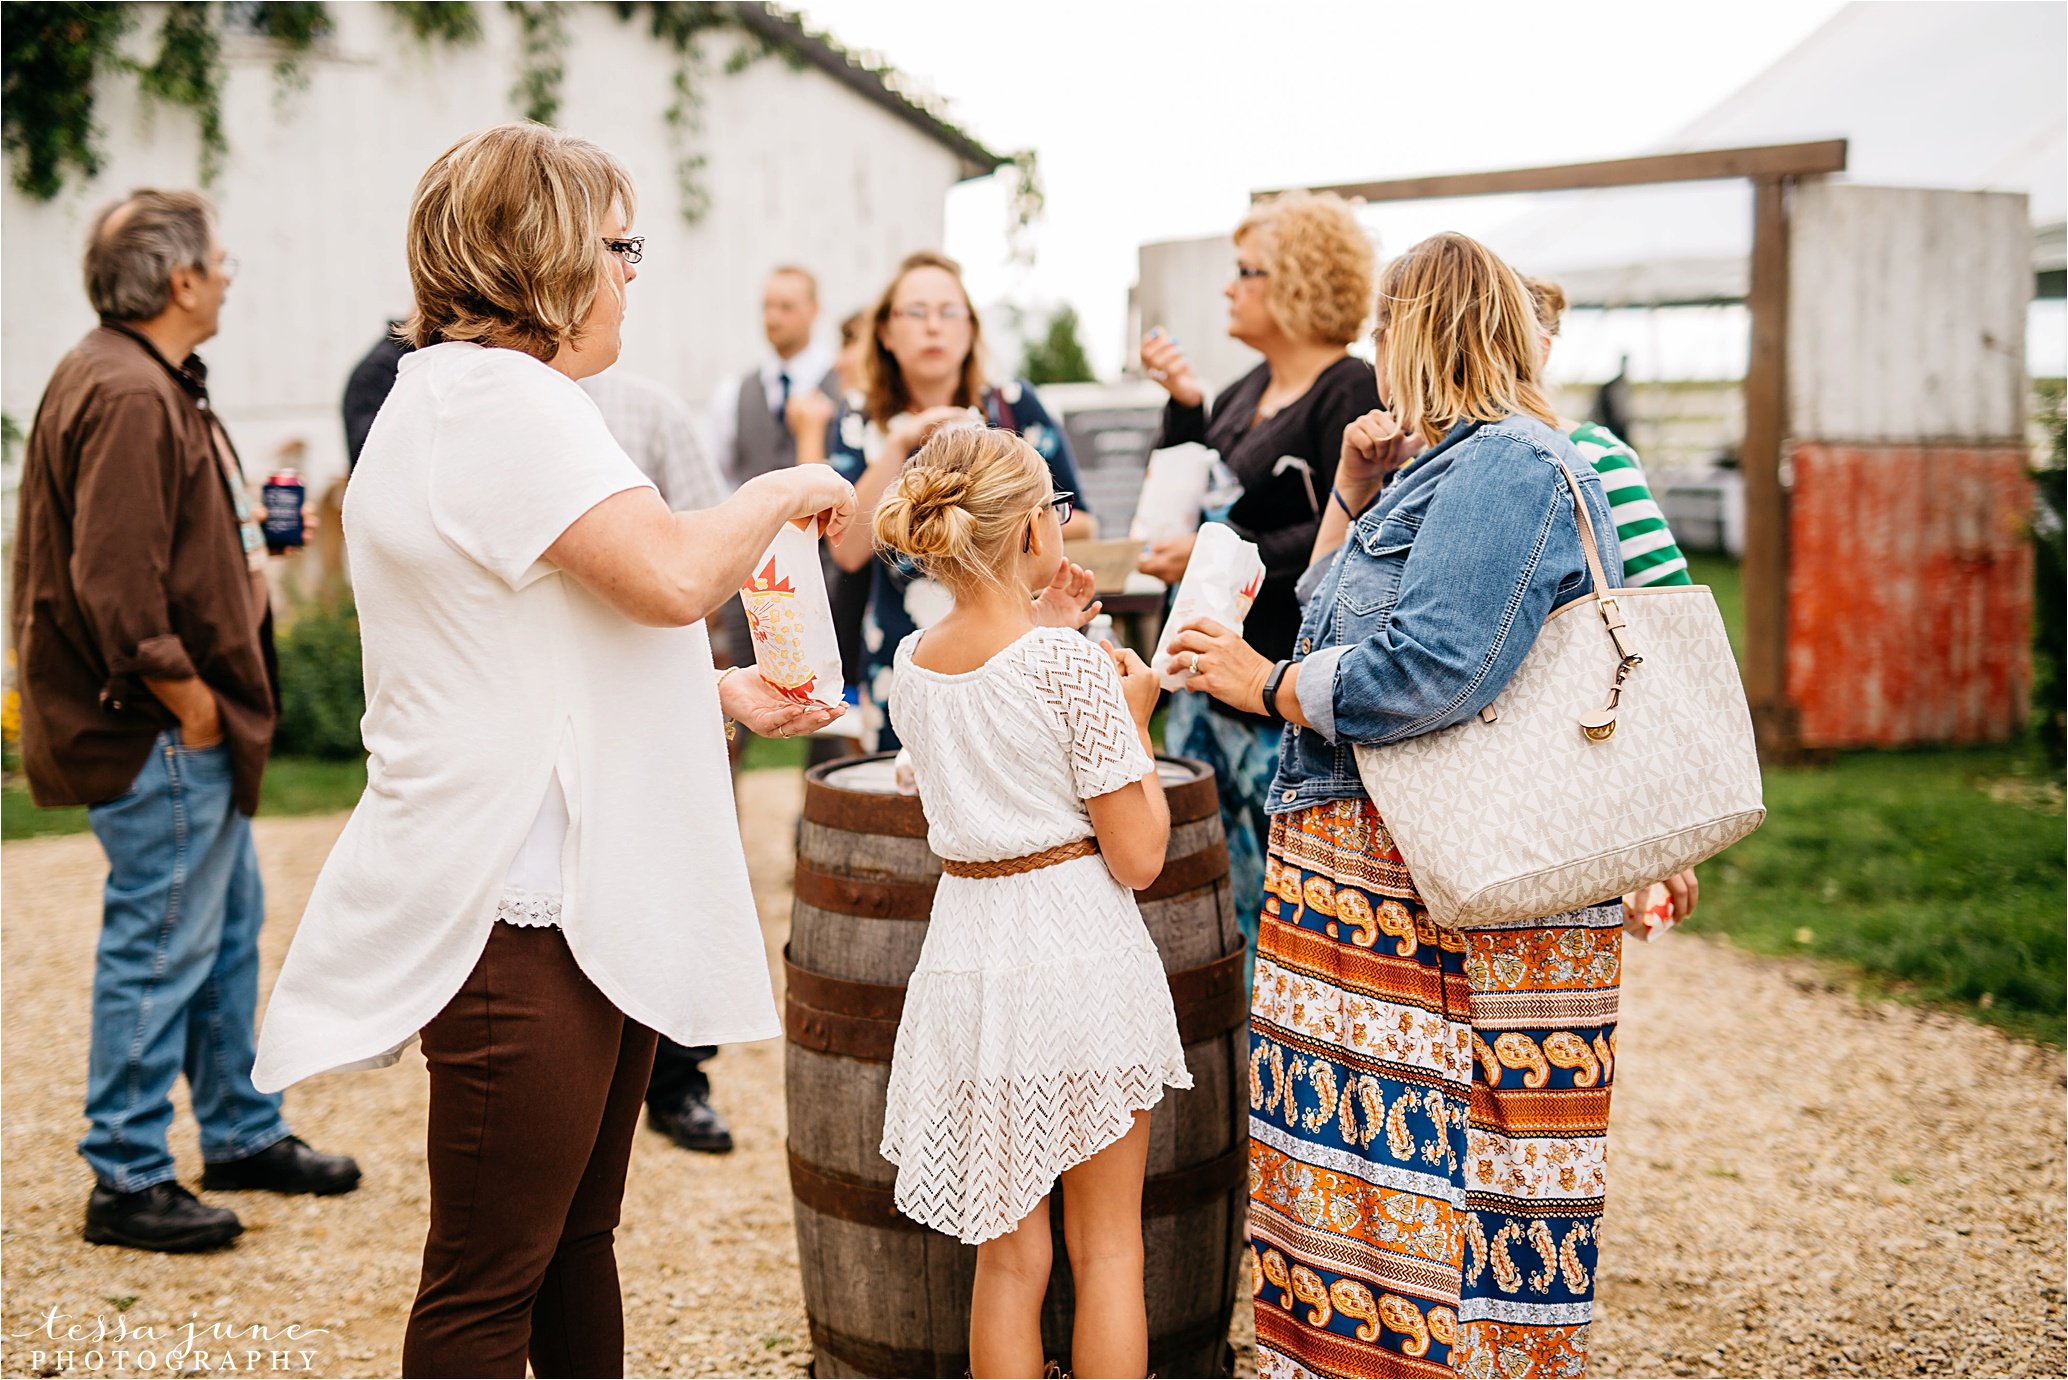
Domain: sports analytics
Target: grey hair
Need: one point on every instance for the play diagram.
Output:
(129, 265)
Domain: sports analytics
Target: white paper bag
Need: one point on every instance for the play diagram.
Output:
(1220, 583)
(1173, 492)
(792, 622)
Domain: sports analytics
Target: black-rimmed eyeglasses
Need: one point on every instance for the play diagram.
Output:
(630, 250)
(1065, 504)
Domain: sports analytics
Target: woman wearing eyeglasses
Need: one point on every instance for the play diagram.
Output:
(1301, 290)
(545, 762)
(925, 370)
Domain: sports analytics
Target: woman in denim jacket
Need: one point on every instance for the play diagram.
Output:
(1427, 1105)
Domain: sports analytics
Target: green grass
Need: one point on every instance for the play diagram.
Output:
(293, 786)
(1720, 573)
(1935, 875)
(773, 754)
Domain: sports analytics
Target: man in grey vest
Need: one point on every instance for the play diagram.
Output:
(752, 430)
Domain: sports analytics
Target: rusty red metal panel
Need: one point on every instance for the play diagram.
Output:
(1909, 594)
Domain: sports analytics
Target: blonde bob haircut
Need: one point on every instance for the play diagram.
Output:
(961, 503)
(1459, 335)
(506, 239)
(1319, 262)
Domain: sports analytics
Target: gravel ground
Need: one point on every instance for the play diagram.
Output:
(1804, 1184)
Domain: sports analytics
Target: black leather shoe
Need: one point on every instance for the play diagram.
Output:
(695, 1125)
(288, 1165)
(163, 1217)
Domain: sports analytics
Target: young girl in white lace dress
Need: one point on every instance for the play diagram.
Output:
(1038, 1029)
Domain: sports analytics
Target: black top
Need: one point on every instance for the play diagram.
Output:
(373, 377)
(1278, 510)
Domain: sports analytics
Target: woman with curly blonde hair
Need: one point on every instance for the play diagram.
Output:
(1301, 292)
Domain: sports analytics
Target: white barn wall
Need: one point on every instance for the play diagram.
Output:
(317, 185)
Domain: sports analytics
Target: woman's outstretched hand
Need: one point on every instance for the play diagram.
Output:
(1221, 664)
(745, 696)
(1067, 602)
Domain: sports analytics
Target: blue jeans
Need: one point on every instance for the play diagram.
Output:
(175, 980)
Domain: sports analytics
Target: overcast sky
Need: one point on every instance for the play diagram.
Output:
(1156, 121)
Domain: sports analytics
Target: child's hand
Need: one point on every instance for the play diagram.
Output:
(1137, 682)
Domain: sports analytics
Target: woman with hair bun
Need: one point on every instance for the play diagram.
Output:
(924, 366)
(1038, 1029)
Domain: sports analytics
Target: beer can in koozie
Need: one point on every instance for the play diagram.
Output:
(283, 497)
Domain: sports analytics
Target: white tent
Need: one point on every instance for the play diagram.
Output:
(1934, 94)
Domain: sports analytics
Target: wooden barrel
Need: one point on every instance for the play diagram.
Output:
(889, 1297)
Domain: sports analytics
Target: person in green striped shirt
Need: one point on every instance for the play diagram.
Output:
(1650, 555)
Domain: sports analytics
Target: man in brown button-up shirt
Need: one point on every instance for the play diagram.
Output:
(139, 600)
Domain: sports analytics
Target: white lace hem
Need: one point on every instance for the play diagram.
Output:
(975, 1160)
(529, 909)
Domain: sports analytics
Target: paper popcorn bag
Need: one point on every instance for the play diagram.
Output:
(1220, 583)
(1653, 905)
(1173, 493)
(791, 621)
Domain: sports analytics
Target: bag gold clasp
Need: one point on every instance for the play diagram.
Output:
(1601, 725)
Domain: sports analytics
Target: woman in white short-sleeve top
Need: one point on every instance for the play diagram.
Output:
(545, 868)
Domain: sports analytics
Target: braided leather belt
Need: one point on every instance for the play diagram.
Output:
(1033, 862)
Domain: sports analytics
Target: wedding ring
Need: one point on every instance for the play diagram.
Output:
(1195, 663)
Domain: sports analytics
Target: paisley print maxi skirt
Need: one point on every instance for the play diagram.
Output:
(1428, 1111)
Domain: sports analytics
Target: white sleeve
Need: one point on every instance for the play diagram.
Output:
(1080, 684)
(521, 452)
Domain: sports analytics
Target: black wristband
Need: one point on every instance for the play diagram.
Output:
(1271, 684)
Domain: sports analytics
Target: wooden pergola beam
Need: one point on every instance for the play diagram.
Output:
(1708, 165)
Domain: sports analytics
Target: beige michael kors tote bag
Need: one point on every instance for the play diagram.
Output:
(1619, 754)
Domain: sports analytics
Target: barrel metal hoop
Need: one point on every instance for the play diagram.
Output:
(1178, 1189)
(876, 1001)
(874, 1358)
(872, 897)
(860, 1019)
(864, 812)
(1191, 800)
(1209, 1000)
(830, 1032)
(1192, 872)
(879, 812)
(834, 1194)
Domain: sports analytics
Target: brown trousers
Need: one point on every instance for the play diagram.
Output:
(536, 1083)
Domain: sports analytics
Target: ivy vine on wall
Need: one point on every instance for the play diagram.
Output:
(543, 27)
(189, 72)
(53, 54)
